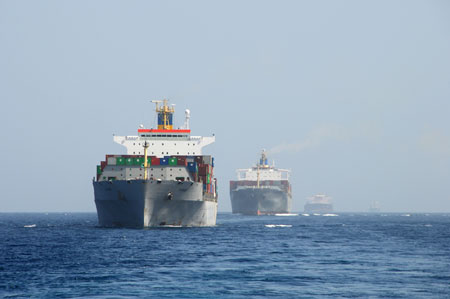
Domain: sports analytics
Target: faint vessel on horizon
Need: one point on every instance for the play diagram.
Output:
(374, 207)
(319, 204)
(261, 190)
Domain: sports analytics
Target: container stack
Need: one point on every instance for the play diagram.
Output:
(205, 172)
(200, 168)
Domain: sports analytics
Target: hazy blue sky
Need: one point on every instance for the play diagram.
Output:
(352, 96)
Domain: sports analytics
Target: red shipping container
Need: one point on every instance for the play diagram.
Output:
(102, 164)
(203, 169)
(198, 159)
(154, 161)
(181, 161)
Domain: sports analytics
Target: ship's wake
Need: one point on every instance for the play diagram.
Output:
(278, 225)
(286, 214)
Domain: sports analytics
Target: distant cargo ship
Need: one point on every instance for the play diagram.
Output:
(374, 207)
(319, 204)
(163, 180)
(261, 190)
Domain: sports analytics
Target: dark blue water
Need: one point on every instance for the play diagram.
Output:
(66, 255)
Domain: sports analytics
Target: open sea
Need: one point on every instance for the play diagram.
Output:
(65, 255)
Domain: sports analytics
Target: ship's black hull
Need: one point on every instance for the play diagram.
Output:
(260, 201)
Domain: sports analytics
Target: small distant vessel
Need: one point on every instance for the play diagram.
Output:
(261, 190)
(374, 207)
(319, 204)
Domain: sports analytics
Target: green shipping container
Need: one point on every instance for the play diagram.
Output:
(173, 161)
(99, 169)
(120, 161)
(208, 179)
(138, 161)
(149, 161)
(129, 161)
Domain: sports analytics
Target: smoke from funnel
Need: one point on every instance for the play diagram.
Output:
(315, 138)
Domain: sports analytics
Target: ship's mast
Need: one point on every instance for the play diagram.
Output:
(146, 145)
(257, 176)
(263, 163)
(165, 115)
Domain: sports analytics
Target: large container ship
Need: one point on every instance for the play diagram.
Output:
(162, 180)
(319, 204)
(261, 190)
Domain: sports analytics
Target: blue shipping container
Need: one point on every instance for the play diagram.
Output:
(163, 161)
(192, 167)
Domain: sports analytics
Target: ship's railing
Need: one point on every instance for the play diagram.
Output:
(251, 174)
(131, 137)
(260, 187)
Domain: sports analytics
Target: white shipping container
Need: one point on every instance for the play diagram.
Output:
(111, 161)
(207, 160)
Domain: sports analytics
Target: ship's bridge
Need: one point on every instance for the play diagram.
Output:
(158, 134)
(165, 140)
(263, 171)
(267, 174)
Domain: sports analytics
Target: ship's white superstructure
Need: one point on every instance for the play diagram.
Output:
(262, 172)
(177, 142)
(164, 142)
(319, 199)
